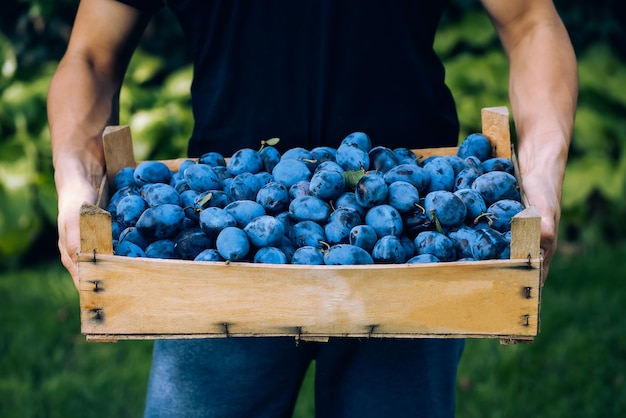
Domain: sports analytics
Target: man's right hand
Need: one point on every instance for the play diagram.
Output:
(73, 193)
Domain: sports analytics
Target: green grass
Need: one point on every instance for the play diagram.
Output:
(48, 370)
(575, 368)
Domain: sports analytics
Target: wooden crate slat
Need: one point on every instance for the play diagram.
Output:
(137, 296)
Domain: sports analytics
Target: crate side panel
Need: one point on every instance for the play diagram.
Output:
(134, 297)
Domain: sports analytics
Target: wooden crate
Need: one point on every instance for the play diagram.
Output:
(141, 298)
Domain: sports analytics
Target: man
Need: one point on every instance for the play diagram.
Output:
(310, 72)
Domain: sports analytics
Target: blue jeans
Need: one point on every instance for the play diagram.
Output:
(261, 377)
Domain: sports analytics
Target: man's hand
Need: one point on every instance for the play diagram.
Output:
(541, 194)
(71, 197)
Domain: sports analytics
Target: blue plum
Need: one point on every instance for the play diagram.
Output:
(476, 145)
(363, 236)
(244, 186)
(290, 171)
(340, 222)
(352, 158)
(300, 154)
(270, 255)
(324, 153)
(411, 173)
(270, 157)
(161, 221)
(417, 221)
(465, 178)
(133, 235)
(191, 242)
(210, 254)
(152, 172)
(348, 200)
(201, 177)
(274, 197)
(497, 164)
(212, 198)
(232, 244)
(389, 250)
(327, 184)
(213, 159)
(129, 208)
(308, 255)
(245, 160)
(213, 219)
(403, 196)
(156, 194)
(124, 178)
(358, 139)
(244, 211)
(441, 174)
(496, 185)
(346, 254)
(408, 245)
(265, 231)
(188, 203)
(474, 204)
(405, 155)
(382, 159)
(329, 165)
(435, 243)
(445, 207)
(309, 208)
(307, 233)
(371, 190)
(463, 241)
(163, 248)
(385, 219)
(501, 212)
(423, 259)
(301, 188)
(128, 249)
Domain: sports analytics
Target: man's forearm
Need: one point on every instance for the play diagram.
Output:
(543, 91)
(80, 104)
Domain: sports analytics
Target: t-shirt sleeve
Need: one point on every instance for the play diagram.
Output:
(148, 6)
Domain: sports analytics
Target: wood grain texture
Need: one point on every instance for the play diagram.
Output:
(118, 150)
(496, 127)
(95, 230)
(128, 296)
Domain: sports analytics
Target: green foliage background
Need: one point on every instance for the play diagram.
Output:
(155, 103)
(576, 366)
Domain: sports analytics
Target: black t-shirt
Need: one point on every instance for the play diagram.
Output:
(312, 71)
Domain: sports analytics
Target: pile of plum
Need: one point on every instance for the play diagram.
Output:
(354, 204)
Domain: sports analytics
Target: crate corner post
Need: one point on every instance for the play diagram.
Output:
(95, 241)
(117, 142)
(496, 127)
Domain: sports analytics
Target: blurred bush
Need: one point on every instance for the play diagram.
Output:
(155, 103)
(594, 195)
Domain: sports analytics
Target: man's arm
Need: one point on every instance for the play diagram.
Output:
(82, 100)
(543, 89)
